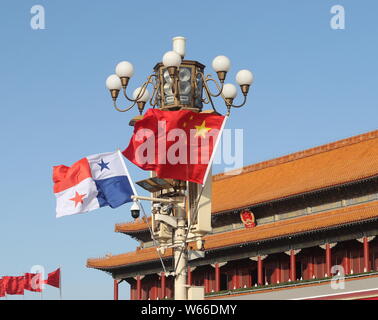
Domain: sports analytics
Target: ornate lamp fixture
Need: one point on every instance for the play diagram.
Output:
(179, 84)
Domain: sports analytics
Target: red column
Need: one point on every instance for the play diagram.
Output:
(310, 267)
(328, 260)
(139, 288)
(235, 279)
(366, 255)
(162, 285)
(206, 283)
(293, 272)
(278, 272)
(217, 277)
(347, 262)
(115, 289)
(189, 281)
(260, 280)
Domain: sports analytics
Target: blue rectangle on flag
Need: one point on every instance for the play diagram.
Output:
(114, 191)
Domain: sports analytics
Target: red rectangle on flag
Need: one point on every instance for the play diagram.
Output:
(66, 177)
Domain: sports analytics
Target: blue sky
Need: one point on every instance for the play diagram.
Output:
(313, 85)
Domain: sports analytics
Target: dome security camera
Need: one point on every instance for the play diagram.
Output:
(135, 210)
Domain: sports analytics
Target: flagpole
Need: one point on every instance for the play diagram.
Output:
(127, 172)
(214, 150)
(60, 282)
(141, 206)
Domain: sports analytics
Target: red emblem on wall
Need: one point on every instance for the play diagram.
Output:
(248, 218)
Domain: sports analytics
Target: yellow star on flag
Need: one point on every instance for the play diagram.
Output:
(202, 130)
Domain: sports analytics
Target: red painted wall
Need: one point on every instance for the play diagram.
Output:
(276, 267)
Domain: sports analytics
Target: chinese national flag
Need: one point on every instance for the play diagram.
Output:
(175, 144)
(14, 285)
(33, 282)
(53, 278)
(2, 288)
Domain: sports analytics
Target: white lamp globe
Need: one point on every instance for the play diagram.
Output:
(124, 69)
(113, 82)
(171, 59)
(221, 63)
(144, 97)
(244, 77)
(179, 45)
(229, 91)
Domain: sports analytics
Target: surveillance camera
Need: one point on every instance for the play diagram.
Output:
(168, 208)
(156, 205)
(135, 211)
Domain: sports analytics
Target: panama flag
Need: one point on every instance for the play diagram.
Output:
(92, 182)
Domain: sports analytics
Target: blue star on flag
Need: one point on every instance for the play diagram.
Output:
(103, 165)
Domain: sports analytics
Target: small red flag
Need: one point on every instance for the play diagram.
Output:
(14, 285)
(33, 282)
(175, 144)
(53, 278)
(2, 288)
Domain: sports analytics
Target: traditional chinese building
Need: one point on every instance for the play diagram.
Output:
(316, 216)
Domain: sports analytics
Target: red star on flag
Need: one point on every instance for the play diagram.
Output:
(78, 198)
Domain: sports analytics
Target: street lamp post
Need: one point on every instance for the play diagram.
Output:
(179, 84)
(180, 255)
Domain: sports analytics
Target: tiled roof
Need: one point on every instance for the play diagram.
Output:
(129, 258)
(294, 226)
(130, 227)
(288, 227)
(332, 164)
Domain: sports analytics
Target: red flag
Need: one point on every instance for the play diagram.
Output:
(14, 285)
(53, 278)
(33, 282)
(2, 288)
(175, 144)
